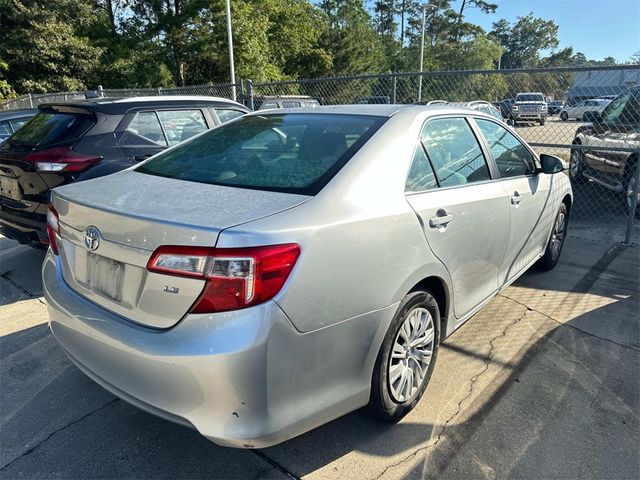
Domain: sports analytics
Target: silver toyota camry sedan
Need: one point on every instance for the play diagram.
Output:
(291, 266)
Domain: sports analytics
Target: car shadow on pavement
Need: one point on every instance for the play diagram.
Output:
(543, 382)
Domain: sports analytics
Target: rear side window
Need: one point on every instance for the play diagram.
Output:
(290, 104)
(180, 125)
(147, 126)
(297, 153)
(225, 115)
(47, 129)
(512, 157)
(454, 152)
(421, 176)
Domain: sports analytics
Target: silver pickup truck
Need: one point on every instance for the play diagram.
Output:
(529, 107)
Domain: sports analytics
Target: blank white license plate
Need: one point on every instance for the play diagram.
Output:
(104, 276)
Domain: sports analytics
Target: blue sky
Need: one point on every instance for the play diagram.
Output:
(597, 28)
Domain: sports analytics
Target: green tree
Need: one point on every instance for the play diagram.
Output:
(44, 45)
(351, 38)
(523, 41)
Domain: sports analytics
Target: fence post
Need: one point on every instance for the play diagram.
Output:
(249, 85)
(634, 203)
(394, 88)
(30, 101)
(100, 91)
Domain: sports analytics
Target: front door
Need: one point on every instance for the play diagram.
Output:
(464, 214)
(527, 193)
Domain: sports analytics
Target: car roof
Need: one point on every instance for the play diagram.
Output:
(112, 105)
(377, 110)
(13, 114)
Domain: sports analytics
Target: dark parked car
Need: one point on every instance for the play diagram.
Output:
(505, 107)
(12, 120)
(617, 126)
(553, 108)
(74, 141)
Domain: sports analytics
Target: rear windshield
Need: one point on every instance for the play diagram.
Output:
(531, 97)
(296, 153)
(47, 129)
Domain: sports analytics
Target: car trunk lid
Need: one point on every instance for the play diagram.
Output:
(131, 214)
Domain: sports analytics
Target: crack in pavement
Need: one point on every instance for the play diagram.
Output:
(7, 276)
(622, 345)
(35, 447)
(275, 464)
(473, 380)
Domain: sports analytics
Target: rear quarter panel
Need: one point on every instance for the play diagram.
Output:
(362, 247)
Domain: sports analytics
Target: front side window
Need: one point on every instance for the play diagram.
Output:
(147, 126)
(421, 176)
(511, 156)
(296, 153)
(180, 125)
(454, 152)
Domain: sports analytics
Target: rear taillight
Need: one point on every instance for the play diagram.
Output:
(53, 228)
(235, 277)
(61, 159)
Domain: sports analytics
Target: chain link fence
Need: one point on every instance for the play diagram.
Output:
(557, 111)
(590, 117)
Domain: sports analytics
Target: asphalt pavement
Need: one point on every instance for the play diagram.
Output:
(544, 382)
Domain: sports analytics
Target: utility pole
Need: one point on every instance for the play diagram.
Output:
(230, 39)
(424, 17)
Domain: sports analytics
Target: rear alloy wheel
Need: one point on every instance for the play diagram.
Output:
(576, 167)
(407, 357)
(564, 116)
(554, 248)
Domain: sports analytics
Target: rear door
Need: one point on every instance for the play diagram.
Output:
(527, 193)
(465, 215)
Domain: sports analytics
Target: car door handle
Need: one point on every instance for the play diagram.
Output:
(441, 219)
(139, 158)
(516, 198)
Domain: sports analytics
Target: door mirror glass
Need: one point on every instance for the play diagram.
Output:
(551, 164)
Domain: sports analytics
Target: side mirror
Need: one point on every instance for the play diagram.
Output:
(592, 117)
(551, 164)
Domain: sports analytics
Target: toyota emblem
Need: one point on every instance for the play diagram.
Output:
(92, 238)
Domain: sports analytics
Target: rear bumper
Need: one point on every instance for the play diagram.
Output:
(27, 228)
(243, 379)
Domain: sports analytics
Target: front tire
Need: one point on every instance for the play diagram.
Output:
(576, 167)
(629, 181)
(564, 116)
(554, 247)
(406, 358)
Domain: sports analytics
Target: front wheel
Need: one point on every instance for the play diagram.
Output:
(629, 185)
(543, 120)
(554, 248)
(564, 116)
(406, 358)
(576, 167)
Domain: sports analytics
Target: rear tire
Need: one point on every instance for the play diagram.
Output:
(554, 246)
(543, 121)
(408, 352)
(564, 116)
